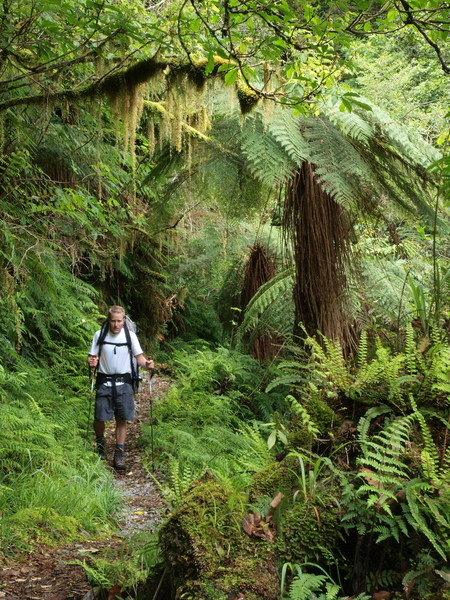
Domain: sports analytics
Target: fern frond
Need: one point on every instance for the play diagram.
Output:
(304, 587)
(429, 455)
(284, 128)
(351, 124)
(274, 293)
(269, 161)
(419, 522)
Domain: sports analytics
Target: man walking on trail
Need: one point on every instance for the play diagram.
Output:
(115, 395)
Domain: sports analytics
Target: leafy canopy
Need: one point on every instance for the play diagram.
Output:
(284, 50)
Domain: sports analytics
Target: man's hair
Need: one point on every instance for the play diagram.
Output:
(117, 310)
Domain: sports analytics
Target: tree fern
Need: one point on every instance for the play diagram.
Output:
(351, 123)
(270, 306)
(283, 126)
(271, 153)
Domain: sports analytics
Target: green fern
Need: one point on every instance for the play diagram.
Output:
(306, 587)
(272, 153)
(305, 418)
(269, 307)
(389, 479)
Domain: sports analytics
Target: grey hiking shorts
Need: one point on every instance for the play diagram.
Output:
(114, 402)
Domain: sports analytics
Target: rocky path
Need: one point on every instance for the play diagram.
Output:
(47, 573)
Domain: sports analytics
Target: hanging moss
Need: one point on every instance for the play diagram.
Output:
(141, 72)
(247, 98)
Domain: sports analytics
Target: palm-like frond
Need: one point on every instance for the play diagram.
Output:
(271, 308)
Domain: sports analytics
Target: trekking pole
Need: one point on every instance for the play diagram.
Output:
(91, 398)
(150, 389)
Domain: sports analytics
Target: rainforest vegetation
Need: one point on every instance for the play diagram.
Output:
(264, 185)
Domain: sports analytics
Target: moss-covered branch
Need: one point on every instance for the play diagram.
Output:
(111, 83)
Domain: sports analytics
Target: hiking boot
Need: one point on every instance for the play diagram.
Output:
(100, 446)
(119, 459)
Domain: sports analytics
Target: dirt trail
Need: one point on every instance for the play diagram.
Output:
(45, 573)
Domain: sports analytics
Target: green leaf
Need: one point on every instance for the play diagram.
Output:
(231, 76)
(272, 439)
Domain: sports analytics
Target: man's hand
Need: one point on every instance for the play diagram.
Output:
(149, 364)
(93, 360)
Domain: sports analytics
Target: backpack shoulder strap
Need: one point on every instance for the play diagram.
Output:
(128, 336)
(102, 336)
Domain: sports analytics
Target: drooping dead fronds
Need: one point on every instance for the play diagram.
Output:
(259, 270)
(319, 230)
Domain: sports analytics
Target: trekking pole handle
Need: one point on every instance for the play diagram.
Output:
(93, 361)
(150, 365)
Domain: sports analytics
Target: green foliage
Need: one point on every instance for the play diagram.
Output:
(306, 586)
(380, 375)
(270, 311)
(398, 496)
(413, 98)
(199, 426)
(42, 525)
(136, 560)
(45, 506)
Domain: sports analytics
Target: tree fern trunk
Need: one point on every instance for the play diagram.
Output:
(319, 231)
(259, 270)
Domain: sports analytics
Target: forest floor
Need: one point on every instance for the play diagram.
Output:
(49, 573)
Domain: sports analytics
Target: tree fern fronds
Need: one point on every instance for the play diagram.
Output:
(268, 161)
(341, 169)
(385, 288)
(402, 138)
(351, 124)
(284, 128)
(274, 292)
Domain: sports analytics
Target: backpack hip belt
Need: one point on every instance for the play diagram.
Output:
(117, 378)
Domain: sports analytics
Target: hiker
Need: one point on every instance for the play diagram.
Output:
(113, 359)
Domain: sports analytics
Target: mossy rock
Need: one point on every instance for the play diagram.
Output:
(277, 477)
(207, 552)
(322, 414)
(309, 528)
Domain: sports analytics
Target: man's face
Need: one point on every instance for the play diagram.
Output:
(116, 321)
